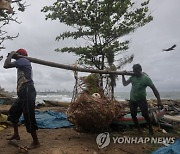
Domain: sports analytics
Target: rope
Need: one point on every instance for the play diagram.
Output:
(76, 82)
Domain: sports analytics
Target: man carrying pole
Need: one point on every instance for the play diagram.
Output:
(139, 83)
(25, 103)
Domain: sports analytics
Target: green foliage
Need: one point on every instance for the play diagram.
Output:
(102, 23)
(92, 83)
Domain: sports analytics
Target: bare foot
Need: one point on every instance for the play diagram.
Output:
(34, 145)
(14, 137)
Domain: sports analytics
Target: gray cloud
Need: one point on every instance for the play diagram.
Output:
(38, 37)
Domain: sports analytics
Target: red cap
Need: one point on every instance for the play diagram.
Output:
(22, 52)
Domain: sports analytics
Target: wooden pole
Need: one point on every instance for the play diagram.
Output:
(73, 68)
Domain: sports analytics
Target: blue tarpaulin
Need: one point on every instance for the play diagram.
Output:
(171, 149)
(50, 119)
(1, 101)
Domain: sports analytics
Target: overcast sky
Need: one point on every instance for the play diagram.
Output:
(37, 36)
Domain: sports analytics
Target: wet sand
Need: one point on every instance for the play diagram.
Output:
(69, 141)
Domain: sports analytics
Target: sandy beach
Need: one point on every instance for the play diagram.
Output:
(69, 141)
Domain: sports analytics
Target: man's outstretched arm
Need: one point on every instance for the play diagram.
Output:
(156, 93)
(8, 63)
(124, 81)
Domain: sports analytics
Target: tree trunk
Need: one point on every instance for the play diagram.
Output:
(73, 68)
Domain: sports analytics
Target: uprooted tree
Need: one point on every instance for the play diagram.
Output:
(101, 23)
(7, 13)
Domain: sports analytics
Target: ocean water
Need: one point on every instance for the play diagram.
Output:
(172, 95)
(53, 97)
(118, 95)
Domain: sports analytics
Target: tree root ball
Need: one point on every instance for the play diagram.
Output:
(89, 113)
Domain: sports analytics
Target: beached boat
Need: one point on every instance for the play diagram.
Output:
(126, 119)
(56, 103)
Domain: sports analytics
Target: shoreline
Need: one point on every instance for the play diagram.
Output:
(171, 95)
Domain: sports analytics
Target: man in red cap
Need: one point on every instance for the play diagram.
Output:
(22, 52)
(25, 103)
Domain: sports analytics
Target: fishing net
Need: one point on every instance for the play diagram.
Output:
(91, 109)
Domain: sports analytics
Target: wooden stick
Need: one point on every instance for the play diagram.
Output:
(68, 67)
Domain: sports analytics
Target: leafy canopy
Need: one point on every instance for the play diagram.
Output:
(101, 23)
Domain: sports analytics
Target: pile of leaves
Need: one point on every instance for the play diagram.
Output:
(90, 113)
